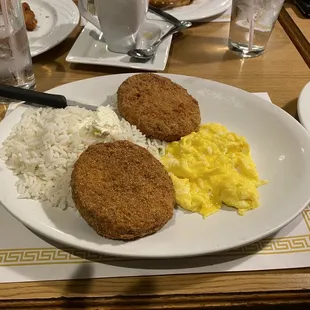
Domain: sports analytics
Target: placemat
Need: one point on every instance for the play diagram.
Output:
(26, 257)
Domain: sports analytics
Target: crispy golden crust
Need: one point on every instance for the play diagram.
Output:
(122, 191)
(160, 108)
(29, 16)
(169, 3)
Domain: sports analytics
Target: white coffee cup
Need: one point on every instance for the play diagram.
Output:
(119, 21)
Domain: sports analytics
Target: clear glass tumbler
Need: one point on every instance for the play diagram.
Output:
(251, 25)
(15, 58)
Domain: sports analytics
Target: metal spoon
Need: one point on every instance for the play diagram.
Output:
(149, 53)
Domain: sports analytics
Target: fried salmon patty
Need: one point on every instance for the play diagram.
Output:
(160, 108)
(169, 3)
(122, 191)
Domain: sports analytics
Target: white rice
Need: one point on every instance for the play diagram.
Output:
(43, 147)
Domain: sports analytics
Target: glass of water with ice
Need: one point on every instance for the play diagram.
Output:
(251, 25)
(15, 58)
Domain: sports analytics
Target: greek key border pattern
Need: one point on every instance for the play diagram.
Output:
(54, 256)
(306, 216)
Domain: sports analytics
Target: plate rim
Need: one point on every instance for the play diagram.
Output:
(200, 17)
(75, 21)
(58, 237)
(302, 107)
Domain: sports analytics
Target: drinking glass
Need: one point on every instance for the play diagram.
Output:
(251, 25)
(15, 58)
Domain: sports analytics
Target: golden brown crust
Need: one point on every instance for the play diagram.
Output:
(29, 16)
(169, 3)
(160, 108)
(122, 191)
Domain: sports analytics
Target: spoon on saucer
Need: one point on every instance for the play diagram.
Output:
(149, 53)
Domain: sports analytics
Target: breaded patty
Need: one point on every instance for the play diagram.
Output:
(169, 3)
(160, 108)
(122, 191)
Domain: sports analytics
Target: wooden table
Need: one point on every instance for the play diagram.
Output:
(200, 51)
(297, 27)
(301, 21)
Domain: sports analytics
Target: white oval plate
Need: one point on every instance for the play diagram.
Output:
(303, 107)
(280, 148)
(200, 9)
(56, 20)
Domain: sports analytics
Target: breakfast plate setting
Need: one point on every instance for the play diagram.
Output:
(148, 160)
(51, 22)
(50, 159)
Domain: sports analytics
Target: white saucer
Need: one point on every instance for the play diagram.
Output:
(90, 48)
(303, 107)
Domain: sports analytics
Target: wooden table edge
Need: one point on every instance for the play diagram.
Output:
(255, 300)
(192, 291)
(295, 34)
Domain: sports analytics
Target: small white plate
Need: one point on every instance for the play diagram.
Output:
(90, 48)
(280, 147)
(56, 20)
(200, 9)
(303, 107)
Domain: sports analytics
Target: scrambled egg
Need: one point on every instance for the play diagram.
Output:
(210, 168)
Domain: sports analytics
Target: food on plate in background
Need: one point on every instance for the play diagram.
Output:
(213, 167)
(169, 3)
(160, 108)
(29, 16)
(122, 191)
